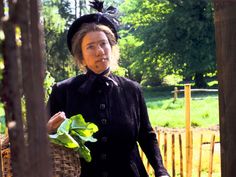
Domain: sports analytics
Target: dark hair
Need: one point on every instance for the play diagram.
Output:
(90, 27)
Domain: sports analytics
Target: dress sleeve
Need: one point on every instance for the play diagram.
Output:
(55, 101)
(148, 141)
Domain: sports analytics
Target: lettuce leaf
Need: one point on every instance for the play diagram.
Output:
(74, 133)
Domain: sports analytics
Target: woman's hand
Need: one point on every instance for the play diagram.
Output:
(55, 121)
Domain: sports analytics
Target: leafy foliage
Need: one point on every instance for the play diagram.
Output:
(57, 17)
(73, 133)
(176, 36)
(49, 81)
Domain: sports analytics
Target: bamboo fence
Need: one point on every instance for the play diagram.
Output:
(202, 154)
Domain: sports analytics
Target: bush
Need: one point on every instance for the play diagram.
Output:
(172, 79)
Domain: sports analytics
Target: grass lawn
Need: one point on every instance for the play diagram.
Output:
(204, 113)
(166, 113)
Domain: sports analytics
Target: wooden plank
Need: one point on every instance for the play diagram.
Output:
(211, 155)
(200, 156)
(191, 154)
(173, 154)
(187, 94)
(181, 155)
(165, 150)
(159, 137)
(195, 90)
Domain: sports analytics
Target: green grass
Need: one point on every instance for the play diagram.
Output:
(164, 112)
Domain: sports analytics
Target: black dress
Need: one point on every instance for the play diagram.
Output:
(117, 107)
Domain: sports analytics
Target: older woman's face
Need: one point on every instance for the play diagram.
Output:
(96, 51)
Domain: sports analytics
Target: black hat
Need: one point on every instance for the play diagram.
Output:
(104, 17)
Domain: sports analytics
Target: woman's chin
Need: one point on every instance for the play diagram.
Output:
(101, 68)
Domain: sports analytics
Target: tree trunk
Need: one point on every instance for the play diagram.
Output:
(1, 16)
(225, 25)
(200, 80)
(11, 95)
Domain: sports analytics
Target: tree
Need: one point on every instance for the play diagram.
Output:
(178, 35)
(190, 37)
(137, 16)
(57, 17)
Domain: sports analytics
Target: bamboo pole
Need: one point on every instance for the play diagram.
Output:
(181, 155)
(191, 153)
(187, 94)
(159, 137)
(165, 150)
(211, 155)
(173, 155)
(200, 156)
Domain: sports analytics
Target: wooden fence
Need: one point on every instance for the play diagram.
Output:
(204, 158)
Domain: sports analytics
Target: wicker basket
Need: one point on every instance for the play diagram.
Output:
(65, 162)
(6, 163)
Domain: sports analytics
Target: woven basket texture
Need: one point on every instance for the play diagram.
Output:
(6, 163)
(65, 162)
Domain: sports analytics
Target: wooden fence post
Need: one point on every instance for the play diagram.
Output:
(187, 93)
(191, 153)
(165, 150)
(175, 94)
(200, 156)
(225, 36)
(211, 155)
(181, 155)
(173, 155)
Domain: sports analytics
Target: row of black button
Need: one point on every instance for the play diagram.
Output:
(104, 139)
(102, 106)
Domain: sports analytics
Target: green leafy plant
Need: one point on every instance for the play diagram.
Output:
(49, 81)
(74, 133)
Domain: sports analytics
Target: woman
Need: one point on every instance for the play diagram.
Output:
(115, 104)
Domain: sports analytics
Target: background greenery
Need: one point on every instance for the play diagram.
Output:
(163, 43)
(158, 38)
(164, 111)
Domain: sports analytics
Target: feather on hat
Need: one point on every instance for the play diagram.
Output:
(105, 17)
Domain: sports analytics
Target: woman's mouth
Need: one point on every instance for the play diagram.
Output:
(102, 60)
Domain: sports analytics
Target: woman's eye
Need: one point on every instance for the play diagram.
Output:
(90, 47)
(103, 43)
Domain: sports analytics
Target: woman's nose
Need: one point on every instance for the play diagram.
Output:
(99, 51)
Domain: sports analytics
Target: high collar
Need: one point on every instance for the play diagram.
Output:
(104, 73)
(92, 77)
